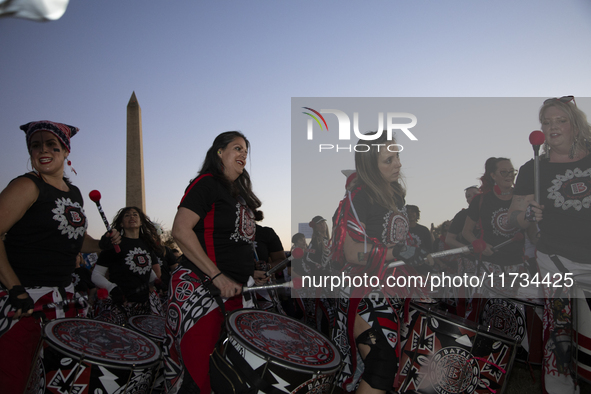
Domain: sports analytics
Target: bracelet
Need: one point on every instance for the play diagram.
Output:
(219, 273)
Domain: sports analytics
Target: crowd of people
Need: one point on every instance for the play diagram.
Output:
(219, 248)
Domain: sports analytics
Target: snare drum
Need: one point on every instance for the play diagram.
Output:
(519, 318)
(287, 354)
(447, 354)
(88, 356)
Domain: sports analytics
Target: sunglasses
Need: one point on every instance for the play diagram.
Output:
(504, 174)
(563, 99)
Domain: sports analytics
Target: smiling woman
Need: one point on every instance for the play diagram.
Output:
(41, 213)
(215, 228)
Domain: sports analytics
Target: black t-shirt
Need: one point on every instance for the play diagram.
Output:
(267, 242)
(457, 226)
(421, 237)
(565, 192)
(42, 246)
(130, 269)
(386, 225)
(226, 229)
(496, 229)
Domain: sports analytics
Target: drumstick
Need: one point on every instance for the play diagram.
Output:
(536, 138)
(516, 238)
(80, 301)
(296, 253)
(477, 246)
(95, 196)
(296, 283)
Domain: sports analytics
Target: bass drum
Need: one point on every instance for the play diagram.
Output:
(287, 355)
(88, 356)
(446, 354)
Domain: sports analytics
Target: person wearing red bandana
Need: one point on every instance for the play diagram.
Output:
(42, 214)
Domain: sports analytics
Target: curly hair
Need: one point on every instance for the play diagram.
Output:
(148, 232)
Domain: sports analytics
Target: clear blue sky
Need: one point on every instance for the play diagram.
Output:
(199, 68)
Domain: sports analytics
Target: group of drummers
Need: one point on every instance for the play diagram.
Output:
(379, 338)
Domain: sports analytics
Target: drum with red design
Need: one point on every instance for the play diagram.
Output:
(582, 326)
(519, 318)
(446, 354)
(284, 353)
(87, 356)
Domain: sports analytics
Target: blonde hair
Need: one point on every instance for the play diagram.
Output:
(368, 173)
(576, 117)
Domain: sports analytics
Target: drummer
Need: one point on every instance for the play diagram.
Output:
(563, 215)
(215, 229)
(370, 230)
(45, 225)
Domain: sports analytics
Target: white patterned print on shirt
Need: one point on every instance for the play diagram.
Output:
(70, 217)
(573, 189)
(138, 260)
(245, 226)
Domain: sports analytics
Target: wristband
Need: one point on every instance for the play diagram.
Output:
(17, 290)
(218, 274)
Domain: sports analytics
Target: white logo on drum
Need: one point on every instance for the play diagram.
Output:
(503, 315)
(453, 370)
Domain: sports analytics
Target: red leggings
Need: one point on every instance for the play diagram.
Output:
(199, 342)
(17, 350)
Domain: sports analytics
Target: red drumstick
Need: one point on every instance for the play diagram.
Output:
(95, 196)
(536, 138)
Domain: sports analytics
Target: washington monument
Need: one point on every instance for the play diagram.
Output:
(135, 193)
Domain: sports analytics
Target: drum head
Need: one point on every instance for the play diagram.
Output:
(150, 325)
(283, 339)
(102, 342)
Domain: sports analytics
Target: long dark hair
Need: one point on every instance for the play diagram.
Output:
(486, 181)
(148, 232)
(368, 173)
(242, 186)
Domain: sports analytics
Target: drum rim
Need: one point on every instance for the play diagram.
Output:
(522, 300)
(118, 364)
(326, 369)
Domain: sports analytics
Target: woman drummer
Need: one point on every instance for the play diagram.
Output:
(45, 225)
(127, 275)
(489, 209)
(563, 215)
(370, 230)
(215, 229)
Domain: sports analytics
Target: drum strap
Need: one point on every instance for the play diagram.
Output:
(556, 260)
(247, 372)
